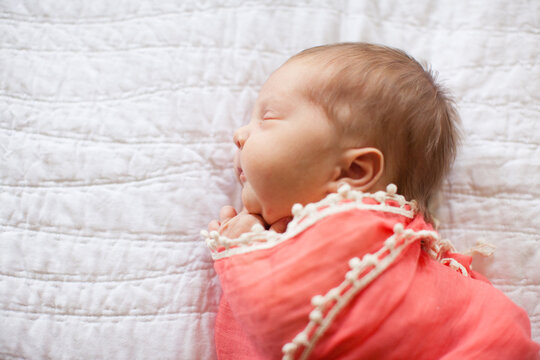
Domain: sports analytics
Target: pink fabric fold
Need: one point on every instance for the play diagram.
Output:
(417, 308)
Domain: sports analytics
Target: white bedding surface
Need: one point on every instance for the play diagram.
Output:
(116, 120)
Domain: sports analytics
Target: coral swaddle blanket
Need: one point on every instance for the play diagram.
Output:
(359, 276)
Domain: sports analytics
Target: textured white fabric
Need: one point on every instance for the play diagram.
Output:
(116, 120)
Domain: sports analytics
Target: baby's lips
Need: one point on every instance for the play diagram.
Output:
(241, 177)
(237, 167)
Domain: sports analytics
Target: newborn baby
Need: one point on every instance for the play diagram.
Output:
(326, 260)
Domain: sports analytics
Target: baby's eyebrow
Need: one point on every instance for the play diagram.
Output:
(264, 102)
(275, 102)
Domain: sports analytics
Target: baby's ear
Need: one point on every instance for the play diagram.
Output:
(362, 168)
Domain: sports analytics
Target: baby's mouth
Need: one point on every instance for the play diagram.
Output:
(238, 168)
(240, 175)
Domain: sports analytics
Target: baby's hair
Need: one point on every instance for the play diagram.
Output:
(384, 98)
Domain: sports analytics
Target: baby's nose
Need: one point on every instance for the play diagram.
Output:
(239, 137)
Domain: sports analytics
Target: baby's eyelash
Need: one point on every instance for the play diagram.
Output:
(268, 115)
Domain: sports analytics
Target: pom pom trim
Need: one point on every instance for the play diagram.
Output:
(305, 216)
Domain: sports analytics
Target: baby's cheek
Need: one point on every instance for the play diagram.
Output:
(258, 171)
(269, 166)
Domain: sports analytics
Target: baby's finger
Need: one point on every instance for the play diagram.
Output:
(214, 225)
(226, 213)
(281, 225)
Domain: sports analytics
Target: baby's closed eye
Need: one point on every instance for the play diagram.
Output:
(270, 115)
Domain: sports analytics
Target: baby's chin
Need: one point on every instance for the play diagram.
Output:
(250, 202)
(272, 218)
(279, 225)
(274, 221)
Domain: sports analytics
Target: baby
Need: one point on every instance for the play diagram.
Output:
(326, 260)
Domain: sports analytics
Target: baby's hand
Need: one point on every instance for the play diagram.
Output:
(232, 224)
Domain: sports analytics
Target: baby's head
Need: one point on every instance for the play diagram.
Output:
(353, 113)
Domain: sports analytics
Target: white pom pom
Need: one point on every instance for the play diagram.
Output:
(370, 259)
(257, 228)
(301, 339)
(351, 275)
(316, 315)
(317, 300)
(311, 208)
(334, 294)
(380, 196)
(244, 238)
(398, 228)
(391, 189)
(344, 189)
(482, 247)
(204, 233)
(296, 209)
(390, 243)
(289, 348)
(211, 244)
(214, 234)
(355, 262)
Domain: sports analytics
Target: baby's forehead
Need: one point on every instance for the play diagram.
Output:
(290, 78)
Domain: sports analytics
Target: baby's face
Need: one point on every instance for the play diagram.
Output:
(290, 151)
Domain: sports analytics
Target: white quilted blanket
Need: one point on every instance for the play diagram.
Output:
(116, 120)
